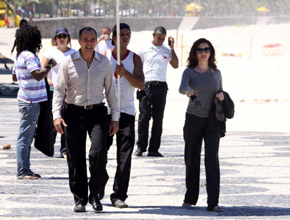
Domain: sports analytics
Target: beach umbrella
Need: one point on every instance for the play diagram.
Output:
(118, 53)
(262, 8)
(192, 7)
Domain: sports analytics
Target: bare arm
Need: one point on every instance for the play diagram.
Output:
(44, 62)
(14, 78)
(174, 59)
(102, 37)
(137, 78)
(41, 74)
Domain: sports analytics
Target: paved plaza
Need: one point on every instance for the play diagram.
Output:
(254, 161)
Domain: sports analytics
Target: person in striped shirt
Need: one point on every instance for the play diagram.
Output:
(32, 91)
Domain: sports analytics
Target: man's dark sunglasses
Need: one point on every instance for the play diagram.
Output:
(200, 50)
(61, 36)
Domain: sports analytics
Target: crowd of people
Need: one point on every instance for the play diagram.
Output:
(87, 85)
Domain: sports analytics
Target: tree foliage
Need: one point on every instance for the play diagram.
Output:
(166, 7)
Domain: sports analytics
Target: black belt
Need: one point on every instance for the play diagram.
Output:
(155, 82)
(87, 107)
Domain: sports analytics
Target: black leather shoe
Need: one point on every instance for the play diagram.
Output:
(96, 204)
(79, 208)
(138, 153)
(118, 203)
(154, 154)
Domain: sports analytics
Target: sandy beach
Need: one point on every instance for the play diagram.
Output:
(257, 82)
(254, 155)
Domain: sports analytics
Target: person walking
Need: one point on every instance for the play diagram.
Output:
(131, 77)
(22, 23)
(202, 82)
(152, 99)
(104, 42)
(58, 52)
(85, 77)
(32, 91)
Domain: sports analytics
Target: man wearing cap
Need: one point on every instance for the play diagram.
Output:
(155, 58)
(104, 42)
(131, 77)
(82, 77)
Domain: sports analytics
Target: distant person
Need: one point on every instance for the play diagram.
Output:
(202, 82)
(58, 52)
(104, 43)
(32, 91)
(85, 78)
(131, 77)
(152, 99)
(22, 23)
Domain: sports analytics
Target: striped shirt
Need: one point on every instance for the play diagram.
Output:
(30, 90)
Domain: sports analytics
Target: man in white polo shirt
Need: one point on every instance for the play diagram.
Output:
(104, 42)
(152, 99)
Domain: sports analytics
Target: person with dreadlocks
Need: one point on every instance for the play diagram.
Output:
(32, 91)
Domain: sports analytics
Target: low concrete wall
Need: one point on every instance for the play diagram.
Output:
(48, 26)
(209, 22)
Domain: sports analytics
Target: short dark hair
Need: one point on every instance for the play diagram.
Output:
(192, 59)
(107, 28)
(86, 29)
(160, 30)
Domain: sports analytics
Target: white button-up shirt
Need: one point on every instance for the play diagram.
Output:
(83, 85)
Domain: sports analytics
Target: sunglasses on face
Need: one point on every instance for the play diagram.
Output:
(61, 36)
(200, 50)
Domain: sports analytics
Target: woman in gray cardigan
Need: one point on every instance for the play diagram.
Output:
(201, 82)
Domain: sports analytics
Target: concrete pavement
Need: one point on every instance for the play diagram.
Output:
(254, 161)
(255, 181)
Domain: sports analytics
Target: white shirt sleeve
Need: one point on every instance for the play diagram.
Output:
(48, 53)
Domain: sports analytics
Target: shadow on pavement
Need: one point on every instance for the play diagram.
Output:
(201, 211)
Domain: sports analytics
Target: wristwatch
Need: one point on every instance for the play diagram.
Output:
(49, 65)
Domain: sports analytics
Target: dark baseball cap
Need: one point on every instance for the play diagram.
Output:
(61, 30)
(122, 26)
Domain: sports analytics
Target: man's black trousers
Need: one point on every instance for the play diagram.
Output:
(80, 122)
(152, 104)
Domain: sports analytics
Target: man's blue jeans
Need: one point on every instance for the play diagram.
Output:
(29, 113)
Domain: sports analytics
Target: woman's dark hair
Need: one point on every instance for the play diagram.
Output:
(28, 38)
(192, 59)
(54, 42)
